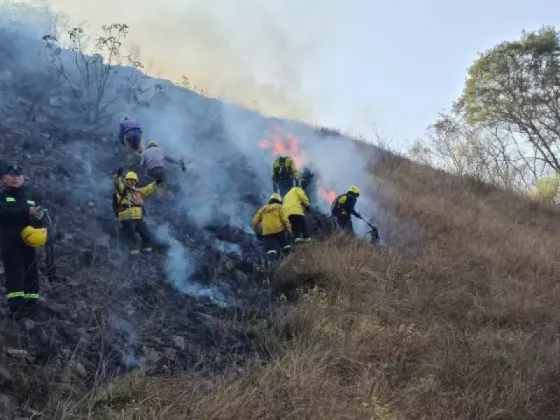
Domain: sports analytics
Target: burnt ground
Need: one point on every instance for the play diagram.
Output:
(104, 314)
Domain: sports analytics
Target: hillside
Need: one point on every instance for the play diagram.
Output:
(454, 316)
(463, 324)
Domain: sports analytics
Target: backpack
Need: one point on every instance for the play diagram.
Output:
(337, 208)
(281, 171)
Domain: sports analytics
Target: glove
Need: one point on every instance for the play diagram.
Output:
(119, 171)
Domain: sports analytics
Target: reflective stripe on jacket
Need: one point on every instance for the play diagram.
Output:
(131, 202)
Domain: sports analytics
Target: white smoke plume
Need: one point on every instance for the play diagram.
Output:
(221, 141)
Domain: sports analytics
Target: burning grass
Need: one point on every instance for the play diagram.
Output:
(282, 143)
(464, 325)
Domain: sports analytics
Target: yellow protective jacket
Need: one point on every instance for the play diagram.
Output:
(273, 219)
(295, 202)
(130, 203)
(291, 171)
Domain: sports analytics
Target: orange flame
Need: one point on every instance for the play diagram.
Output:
(327, 194)
(283, 143)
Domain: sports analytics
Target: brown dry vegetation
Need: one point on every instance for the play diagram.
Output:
(463, 325)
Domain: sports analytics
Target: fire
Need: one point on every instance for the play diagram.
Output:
(327, 194)
(283, 143)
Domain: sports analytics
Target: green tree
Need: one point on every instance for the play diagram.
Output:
(516, 85)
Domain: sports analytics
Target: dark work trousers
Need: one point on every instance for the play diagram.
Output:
(345, 223)
(299, 227)
(275, 243)
(133, 138)
(137, 235)
(285, 185)
(22, 279)
(157, 173)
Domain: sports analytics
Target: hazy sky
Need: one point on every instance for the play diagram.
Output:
(345, 63)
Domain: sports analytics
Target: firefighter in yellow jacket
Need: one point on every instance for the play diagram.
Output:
(284, 175)
(275, 227)
(343, 207)
(130, 210)
(296, 204)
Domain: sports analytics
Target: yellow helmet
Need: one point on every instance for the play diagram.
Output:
(152, 143)
(275, 197)
(131, 176)
(354, 189)
(34, 237)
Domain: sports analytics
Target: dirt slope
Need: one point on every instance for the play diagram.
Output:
(462, 324)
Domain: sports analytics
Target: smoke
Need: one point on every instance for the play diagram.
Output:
(229, 174)
(127, 332)
(252, 52)
(180, 269)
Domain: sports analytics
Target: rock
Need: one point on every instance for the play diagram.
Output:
(56, 308)
(7, 407)
(153, 356)
(158, 341)
(81, 370)
(179, 342)
(29, 324)
(103, 241)
(170, 354)
(18, 353)
(68, 236)
(6, 377)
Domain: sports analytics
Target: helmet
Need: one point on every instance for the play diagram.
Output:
(275, 197)
(355, 190)
(152, 144)
(34, 237)
(131, 176)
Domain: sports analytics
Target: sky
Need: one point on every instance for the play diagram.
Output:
(363, 66)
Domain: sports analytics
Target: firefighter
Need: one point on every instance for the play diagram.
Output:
(284, 175)
(343, 208)
(130, 210)
(276, 228)
(295, 205)
(22, 232)
(153, 161)
(130, 136)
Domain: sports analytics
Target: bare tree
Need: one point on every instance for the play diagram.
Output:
(93, 71)
(490, 153)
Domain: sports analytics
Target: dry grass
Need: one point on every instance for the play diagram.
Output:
(464, 325)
